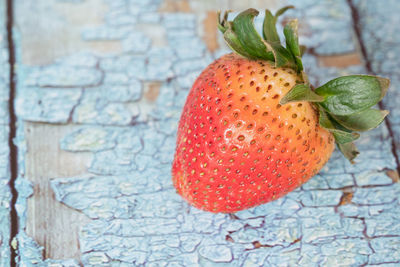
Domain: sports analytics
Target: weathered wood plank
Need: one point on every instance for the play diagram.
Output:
(118, 112)
(5, 194)
(340, 61)
(58, 32)
(50, 223)
(383, 52)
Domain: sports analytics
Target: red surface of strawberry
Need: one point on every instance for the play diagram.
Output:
(253, 130)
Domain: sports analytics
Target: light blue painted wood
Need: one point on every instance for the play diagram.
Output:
(5, 195)
(136, 216)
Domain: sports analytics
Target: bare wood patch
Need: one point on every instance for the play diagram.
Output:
(346, 197)
(211, 31)
(52, 224)
(394, 175)
(340, 61)
(151, 91)
(58, 33)
(212, 5)
(258, 4)
(155, 32)
(169, 6)
(105, 47)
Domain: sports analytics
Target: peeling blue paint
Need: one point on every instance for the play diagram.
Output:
(89, 139)
(38, 104)
(5, 194)
(62, 76)
(136, 216)
(378, 24)
(105, 33)
(386, 250)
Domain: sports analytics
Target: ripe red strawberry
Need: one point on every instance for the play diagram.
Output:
(252, 130)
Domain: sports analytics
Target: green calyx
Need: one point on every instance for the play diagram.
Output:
(345, 107)
(242, 37)
(344, 104)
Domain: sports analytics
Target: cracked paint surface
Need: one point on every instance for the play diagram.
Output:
(5, 194)
(136, 216)
(382, 47)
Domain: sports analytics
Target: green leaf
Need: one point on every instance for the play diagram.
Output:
(337, 125)
(243, 27)
(282, 56)
(351, 94)
(301, 92)
(283, 10)
(292, 43)
(269, 28)
(222, 24)
(363, 121)
(324, 119)
(234, 43)
(292, 38)
(242, 37)
(299, 63)
(385, 83)
(341, 137)
(304, 77)
(349, 150)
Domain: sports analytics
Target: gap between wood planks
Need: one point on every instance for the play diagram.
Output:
(12, 122)
(13, 158)
(367, 62)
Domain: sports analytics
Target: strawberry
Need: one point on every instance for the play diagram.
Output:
(252, 129)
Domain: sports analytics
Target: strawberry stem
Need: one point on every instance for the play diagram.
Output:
(242, 37)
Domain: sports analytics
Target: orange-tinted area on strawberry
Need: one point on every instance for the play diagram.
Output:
(253, 129)
(237, 146)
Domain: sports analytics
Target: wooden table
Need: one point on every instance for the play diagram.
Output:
(96, 91)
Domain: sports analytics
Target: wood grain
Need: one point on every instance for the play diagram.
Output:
(56, 31)
(340, 61)
(175, 6)
(207, 5)
(210, 31)
(52, 224)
